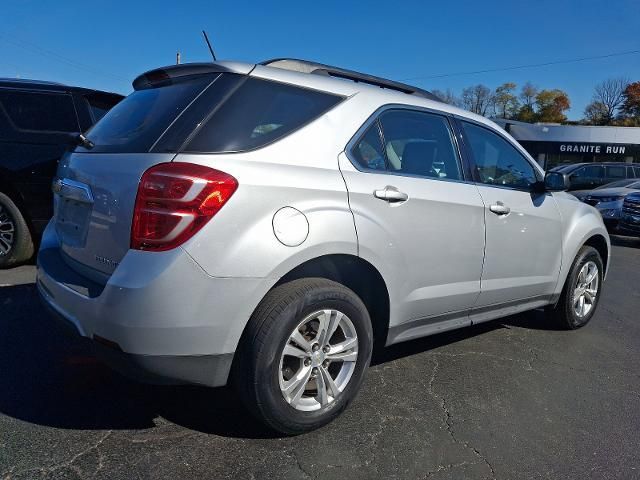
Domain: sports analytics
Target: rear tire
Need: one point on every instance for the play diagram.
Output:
(16, 245)
(288, 374)
(581, 292)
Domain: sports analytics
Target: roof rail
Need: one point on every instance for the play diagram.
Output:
(305, 66)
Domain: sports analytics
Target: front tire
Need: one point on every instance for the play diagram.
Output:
(581, 292)
(303, 355)
(16, 245)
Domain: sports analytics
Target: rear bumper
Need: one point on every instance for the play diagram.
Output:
(159, 317)
(210, 370)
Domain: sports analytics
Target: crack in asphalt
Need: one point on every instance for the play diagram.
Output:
(299, 465)
(448, 419)
(66, 464)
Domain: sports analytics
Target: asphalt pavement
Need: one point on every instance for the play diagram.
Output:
(515, 398)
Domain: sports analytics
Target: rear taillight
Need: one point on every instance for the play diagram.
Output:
(174, 201)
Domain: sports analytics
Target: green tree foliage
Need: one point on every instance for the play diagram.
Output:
(505, 102)
(551, 105)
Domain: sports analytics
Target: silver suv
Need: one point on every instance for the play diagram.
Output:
(264, 225)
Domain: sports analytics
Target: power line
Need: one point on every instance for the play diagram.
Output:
(33, 48)
(518, 67)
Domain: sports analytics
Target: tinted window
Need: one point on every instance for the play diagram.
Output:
(418, 143)
(590, 171)
(617, 172)
(100, 104)
(637, 169)
(39, 112)
(135, 123)
(260, 112)
(369, 152)
(497, 161)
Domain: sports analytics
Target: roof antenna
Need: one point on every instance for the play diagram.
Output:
(206, 39)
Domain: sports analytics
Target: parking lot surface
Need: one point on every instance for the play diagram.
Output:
(513, 398)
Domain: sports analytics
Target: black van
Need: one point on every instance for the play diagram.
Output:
(37, 122)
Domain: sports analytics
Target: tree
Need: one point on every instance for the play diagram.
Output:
(630, 107)
(447, 96)
(505, 102)
(551, 105)
(610, 94)
(477, 99)
(596, 113)
(528, 95)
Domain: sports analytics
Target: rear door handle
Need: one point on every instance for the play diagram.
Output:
(499, 208)
(391, 194)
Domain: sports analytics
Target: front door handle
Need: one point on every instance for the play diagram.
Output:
(390, 194)
(499, 208)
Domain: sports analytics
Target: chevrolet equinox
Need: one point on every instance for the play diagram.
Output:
(264, 225)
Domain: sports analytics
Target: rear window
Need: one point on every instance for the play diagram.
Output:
(39, 112)
(135, 123)
(99, 105)
(258, 113)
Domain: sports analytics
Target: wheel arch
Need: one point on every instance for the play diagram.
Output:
(600, 244)
(356, 274)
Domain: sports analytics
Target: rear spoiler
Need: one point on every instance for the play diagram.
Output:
(166, 75)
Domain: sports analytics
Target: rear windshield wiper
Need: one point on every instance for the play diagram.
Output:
(80, 140)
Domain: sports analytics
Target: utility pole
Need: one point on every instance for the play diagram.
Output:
(177, 58)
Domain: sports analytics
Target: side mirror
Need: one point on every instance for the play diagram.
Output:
(556, 182)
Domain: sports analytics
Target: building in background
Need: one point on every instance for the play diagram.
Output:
(553, 144)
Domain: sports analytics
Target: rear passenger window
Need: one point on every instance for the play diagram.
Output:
(637, 170)
(419, 143)
(369, 152)
(258, 113)
(616, 172)
(39, 112)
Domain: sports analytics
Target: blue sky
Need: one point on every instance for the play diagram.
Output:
(106, 44)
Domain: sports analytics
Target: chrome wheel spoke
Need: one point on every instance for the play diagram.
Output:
(297, 338)
(346, 351)
(590, 294)
(294, 351)
(323, 396)
(332, 388)
(328, 323)
(294, 388)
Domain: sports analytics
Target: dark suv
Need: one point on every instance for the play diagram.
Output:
(587, 176)
(630, 218)
(37, 122)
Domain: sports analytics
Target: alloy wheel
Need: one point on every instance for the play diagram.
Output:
(586, 290)
(318, 360)
(7, 231)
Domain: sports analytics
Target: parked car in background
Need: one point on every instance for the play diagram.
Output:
(37, 123)
(630, 218)
(582, 194)
(264, 224)
(608, 199)
(587, 176)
